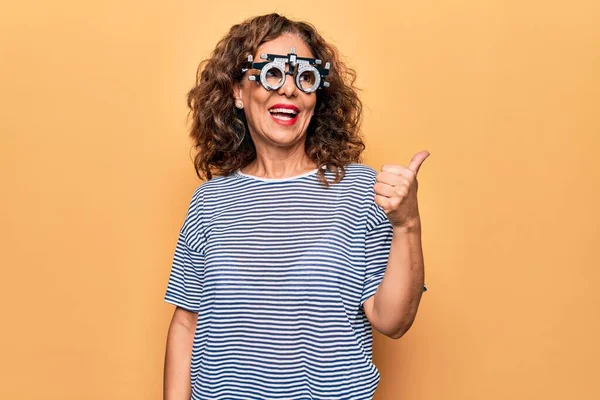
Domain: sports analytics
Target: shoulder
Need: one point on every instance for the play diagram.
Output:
(361, 174)
(364, 178)
(359, 169)
(208, 188)
(202, 195)
(201, 204)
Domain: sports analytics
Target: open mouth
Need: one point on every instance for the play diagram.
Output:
(285, 114)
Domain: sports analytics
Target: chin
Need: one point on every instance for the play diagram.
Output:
(284, 137)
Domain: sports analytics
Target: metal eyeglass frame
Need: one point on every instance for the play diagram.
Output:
(278, 61)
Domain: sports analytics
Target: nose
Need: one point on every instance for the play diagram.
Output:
(288, 88)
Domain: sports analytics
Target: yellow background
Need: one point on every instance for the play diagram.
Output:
(96, 177)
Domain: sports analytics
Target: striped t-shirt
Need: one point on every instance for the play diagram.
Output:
(278, 271)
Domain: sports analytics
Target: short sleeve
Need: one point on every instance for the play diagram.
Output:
(184, 288)
(378, 241)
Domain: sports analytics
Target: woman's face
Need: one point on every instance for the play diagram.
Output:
(267, 126)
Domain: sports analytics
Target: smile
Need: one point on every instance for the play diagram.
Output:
(284, 114)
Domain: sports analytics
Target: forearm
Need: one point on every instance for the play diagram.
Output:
(177, 385)
(398, 295)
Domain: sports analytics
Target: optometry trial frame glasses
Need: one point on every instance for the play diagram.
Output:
(307, 72)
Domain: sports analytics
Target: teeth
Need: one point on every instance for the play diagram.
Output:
(282, 110)
(285, 118)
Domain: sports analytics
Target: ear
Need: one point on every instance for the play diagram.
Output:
(237, 91)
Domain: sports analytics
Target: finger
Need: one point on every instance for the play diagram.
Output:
(382, 201)
(393, 168)
(417, 160)
(396, 178)
(386, 190)
(398, 170)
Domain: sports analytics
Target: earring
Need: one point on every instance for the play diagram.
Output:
(239, 104)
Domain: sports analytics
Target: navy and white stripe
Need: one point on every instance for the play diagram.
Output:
(278, 270)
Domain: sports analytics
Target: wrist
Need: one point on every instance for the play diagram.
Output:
(410, 225)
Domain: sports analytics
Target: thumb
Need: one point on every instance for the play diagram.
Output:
(417, 160)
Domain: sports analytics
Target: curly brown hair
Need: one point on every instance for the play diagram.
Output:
(333, 136)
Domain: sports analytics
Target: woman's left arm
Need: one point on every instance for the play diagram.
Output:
(393, 308)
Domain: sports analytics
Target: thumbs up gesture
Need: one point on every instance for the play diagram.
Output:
(396, 191)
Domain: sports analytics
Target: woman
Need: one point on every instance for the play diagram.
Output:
(281, 254)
